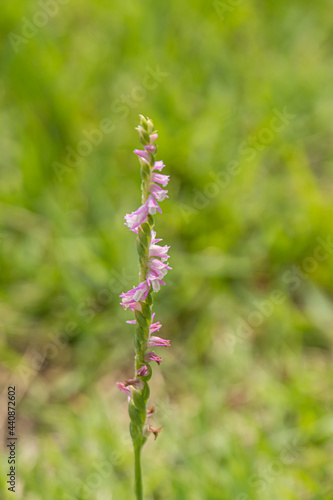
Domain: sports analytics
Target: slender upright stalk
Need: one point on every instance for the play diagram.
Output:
(137, 473)
(152, 268)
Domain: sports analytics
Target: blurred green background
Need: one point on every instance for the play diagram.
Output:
(241, 94)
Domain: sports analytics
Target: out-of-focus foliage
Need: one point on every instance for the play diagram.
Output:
(241, 93)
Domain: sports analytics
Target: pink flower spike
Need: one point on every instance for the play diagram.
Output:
(158, 342)
(153, 206)
(151, 356)
(143, 371)
(160, 178)
(153, 266)
(135, 219)
(143, 154)
(158, 165)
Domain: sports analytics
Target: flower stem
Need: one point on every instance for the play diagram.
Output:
(137, 471)
(143, 320)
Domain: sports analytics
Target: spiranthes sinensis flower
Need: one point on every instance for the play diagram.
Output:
(153, 266)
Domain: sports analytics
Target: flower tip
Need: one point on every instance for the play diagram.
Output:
(143, 122)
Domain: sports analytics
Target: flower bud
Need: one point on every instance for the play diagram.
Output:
(143, 122)
(150, 126)
(143, 135)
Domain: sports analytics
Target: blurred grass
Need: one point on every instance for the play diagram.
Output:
(244, 417)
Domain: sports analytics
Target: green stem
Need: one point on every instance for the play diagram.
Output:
(137, 471)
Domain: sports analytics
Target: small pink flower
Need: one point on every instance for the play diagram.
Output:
(124, 388)
(153, 206)
(153, 275)
(145, 155)
(133, 297)
(158, 165)
(129, 385)
(131, 304)
(158, 342)
(158, 251)
(153, 238)
(156, 269)
(156, 284)
(153, 137)
(151, 356)
(151, 148)
(159, 193)
(160, 178)
(143, 371)
(135, 219)
(154, 327)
